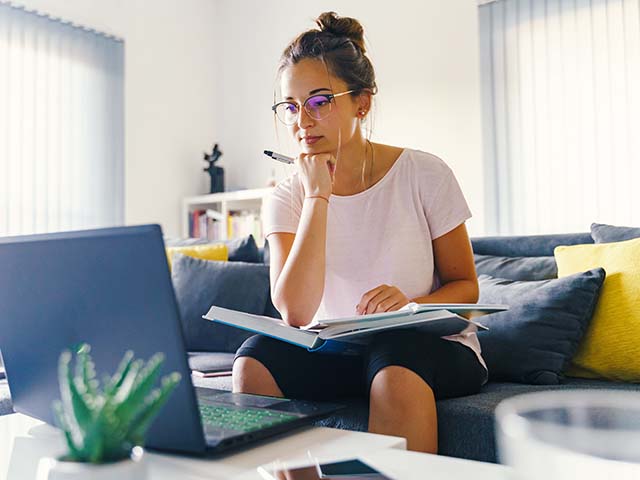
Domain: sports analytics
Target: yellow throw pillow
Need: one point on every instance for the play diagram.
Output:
(210, 251)
(611, 346)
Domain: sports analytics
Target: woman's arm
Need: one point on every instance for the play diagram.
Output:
(297, 267)
(298, 261)
(453, 260)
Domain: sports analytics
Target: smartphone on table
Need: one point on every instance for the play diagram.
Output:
(352, 469)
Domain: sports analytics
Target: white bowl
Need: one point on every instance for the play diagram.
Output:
(581, 434)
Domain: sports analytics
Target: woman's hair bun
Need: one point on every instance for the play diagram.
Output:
(338, 26)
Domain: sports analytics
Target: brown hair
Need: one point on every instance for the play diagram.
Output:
(339, 43)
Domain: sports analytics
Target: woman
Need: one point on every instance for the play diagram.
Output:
(361, 227)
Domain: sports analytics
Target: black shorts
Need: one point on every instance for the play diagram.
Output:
(449, 368)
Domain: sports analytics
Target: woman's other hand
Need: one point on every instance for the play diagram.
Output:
(317, 173)
(384, 298)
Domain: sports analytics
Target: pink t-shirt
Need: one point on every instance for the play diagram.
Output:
(381, 235)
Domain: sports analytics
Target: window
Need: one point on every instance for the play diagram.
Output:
(561, 105)
(61, 125)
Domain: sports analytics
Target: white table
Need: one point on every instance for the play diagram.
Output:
(24, 440)
(404, 465)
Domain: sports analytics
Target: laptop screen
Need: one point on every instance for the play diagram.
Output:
(110, 288)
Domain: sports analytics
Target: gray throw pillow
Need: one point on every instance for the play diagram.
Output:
(535, 339)
(602, 233)
(198, 284)
(244, 250)
(516, 268)
(266, 253)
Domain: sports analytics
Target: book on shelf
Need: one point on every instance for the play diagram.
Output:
(214, 226)
(347, 335)
(243, 224)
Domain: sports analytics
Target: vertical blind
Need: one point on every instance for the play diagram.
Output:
(561, 106)
(61, 125)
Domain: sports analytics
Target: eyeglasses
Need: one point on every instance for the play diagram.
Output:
(317, 107)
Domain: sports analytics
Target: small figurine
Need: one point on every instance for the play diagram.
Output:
(216, 173)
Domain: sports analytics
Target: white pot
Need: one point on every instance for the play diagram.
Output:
(133, 468)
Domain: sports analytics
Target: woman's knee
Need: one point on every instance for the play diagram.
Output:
(246, 369)
(251, 376)
(399, 382)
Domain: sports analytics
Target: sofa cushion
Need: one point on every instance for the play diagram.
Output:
(527, 245)
(466, 425)
(534, 340)
(602, 233)
(219, 383)
(212, 361)
(266, 254)
(270, 310)
(210, 251)
(516, 268)
(244, 249)
(611, 346)
(201, 283)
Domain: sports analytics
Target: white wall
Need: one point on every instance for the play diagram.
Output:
(170, 85)
(426, 56)
(200, 71)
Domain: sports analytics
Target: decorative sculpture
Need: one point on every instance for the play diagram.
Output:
(216, 173)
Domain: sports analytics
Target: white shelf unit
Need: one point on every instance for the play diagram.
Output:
(224, 203)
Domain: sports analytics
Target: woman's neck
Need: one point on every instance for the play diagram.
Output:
(354, 167)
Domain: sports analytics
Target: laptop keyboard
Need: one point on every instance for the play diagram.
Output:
(241, 419)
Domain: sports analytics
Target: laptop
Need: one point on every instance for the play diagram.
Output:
(111, 288)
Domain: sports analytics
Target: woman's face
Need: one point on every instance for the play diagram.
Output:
(308, 78)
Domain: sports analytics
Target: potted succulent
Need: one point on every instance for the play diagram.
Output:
(105, 425)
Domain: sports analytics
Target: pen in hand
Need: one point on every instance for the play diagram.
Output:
(279, 157)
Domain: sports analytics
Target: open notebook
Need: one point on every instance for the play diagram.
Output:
(343, 335)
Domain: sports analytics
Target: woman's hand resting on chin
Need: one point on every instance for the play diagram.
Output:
(317, 173)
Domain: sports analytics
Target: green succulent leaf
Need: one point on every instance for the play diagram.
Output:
(82, 412)
(127, 384)
(61, 419)
(111, 386)
(143, 384)
(103, 425)
(67, 396)
(85, 370)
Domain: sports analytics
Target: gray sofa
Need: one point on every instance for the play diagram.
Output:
(465, 425)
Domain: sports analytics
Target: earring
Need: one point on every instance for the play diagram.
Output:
(361, 112)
